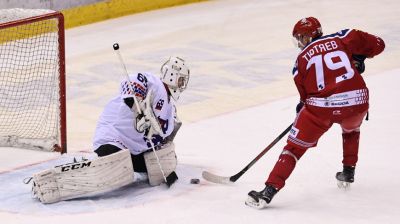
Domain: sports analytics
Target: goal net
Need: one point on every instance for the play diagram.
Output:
(32, 79)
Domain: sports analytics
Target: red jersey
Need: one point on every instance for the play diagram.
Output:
(324, 68)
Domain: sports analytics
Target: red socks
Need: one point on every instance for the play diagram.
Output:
(284, 166)
(350, 148)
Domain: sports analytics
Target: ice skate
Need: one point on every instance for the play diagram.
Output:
(262, 198)
(346, 177)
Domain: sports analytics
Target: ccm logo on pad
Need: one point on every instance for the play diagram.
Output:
(75, 166)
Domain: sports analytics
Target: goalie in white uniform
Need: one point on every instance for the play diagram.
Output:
(144, 111)
(121, 127)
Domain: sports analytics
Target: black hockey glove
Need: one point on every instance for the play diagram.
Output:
(299, 106)
(358, 61)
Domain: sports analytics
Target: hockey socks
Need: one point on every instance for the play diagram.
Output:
(284, 166)
(350, 148)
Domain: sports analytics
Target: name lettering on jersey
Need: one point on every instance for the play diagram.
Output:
(320, 48)
(75, 166)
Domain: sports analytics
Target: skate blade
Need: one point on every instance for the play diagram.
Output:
(343, 185)
(254, 204)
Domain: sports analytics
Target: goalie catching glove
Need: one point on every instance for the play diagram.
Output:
(146, 120)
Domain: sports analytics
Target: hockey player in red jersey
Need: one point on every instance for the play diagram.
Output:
(327, 74)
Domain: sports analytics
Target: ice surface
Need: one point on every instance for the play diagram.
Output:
(240, 97)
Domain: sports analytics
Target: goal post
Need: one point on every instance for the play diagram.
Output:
(32, 80)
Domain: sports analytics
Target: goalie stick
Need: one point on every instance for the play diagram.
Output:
(172, 177)
(229, 180)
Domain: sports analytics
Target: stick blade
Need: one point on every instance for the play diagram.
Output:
(171, 178)
(216, 178)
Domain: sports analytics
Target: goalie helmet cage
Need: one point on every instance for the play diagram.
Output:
(32, 80)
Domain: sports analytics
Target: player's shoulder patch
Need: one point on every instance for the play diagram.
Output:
(137, 85)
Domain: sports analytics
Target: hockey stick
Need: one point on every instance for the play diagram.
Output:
(172, 177)
(229, 180)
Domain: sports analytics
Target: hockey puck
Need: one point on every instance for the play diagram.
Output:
(194, 181)
(116, 46)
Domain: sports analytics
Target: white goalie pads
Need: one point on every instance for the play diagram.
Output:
(83, 179)
(168, 162)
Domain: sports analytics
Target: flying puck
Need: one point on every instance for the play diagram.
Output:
(194, 181)
(116, 46)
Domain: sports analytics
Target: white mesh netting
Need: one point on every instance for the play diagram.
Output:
(29, 80)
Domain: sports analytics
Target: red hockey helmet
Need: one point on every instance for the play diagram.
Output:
(306, 30)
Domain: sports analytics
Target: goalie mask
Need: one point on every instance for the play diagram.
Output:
(305, 31)
(175, 74)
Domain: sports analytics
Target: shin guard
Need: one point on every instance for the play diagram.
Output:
(284, 166)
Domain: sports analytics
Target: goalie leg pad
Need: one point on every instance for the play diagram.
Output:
(83, 179)
(168, 163)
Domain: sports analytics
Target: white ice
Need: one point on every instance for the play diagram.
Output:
(240, 97)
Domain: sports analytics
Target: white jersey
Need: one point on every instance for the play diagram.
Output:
(116, 125)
